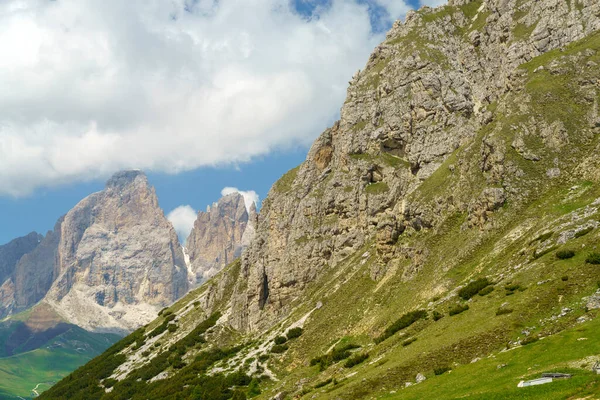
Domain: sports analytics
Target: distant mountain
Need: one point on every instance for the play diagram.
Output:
(10, 254)
(219, 235)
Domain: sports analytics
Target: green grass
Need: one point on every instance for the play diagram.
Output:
(484, 380)
(377, 188)
(284, 184)
(21, 373)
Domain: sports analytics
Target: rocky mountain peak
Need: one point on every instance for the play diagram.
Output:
(118, 259)
(123, 179)
(218, 236)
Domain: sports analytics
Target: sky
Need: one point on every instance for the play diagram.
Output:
(202, 95)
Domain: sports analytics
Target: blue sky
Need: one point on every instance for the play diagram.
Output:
(200, 94)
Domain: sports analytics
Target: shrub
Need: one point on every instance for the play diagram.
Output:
(511, 288)
(529, 340)
(263, 357)
(253, 388)
(146, 353)
(172, 327)
(486, 290)
(279, 348)
(457, 309)
(473, 288)
(355, 360)
(294, 333)
(503, 311)
(109, 382)
(239, 395)
(404, 322)
(565, 254)
(196, 304)
(437, 315)
(441, 370)
(593, 258)
(409, 341)
(280, 340)
(564, 278)
(584, 232)
(337, 354)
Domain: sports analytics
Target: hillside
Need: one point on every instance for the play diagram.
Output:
(440, 240)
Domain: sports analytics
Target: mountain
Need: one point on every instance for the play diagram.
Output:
(10, 254)
(447, 222)
(218, 235)
(119, 259)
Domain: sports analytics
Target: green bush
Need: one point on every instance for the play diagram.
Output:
(504, 311)
(146, 353)
(263, 357)
(511, 288)
(280, 340)
(593, 258)
(437, 315)
(279, 348)
(564, 278)
(355, 360)
(441, 370)
(565, 254)
(529, 340)
(196, 304)
(486, 290)
(109, 382)
(294, 333)
(584, 232)
(334, 356)
(473, 288)
(253, 388)
(404, 322)
(172, 327)
(457, 309)
(409, 341)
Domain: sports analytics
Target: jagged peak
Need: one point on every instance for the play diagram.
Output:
(125, 178)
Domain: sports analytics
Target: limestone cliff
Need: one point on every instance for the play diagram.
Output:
(219, 235)
(118, 258)
(423, 113)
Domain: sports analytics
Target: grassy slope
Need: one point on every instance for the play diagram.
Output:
(21, 373)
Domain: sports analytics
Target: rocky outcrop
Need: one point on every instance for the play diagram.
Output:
(435, 88)
(118, 258)
(219, 235)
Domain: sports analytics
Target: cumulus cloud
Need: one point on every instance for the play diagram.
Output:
(433, 3)
(250, 196)
(90, 87)
(182, 218)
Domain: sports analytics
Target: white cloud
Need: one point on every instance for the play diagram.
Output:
(432, 3)
(250, 196)
(396, 8)
(182, 218)
(90, 87)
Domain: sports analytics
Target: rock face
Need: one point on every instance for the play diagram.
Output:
(219, 235)
(10, 254)
(441, 85)
(118, 259)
